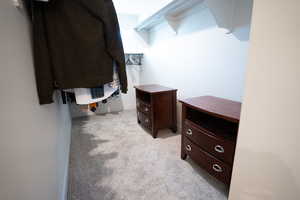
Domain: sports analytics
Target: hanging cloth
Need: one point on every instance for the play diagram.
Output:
(76, 43)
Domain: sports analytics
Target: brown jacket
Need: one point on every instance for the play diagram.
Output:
(75, 45)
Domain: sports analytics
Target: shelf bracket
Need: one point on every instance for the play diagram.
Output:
(224, 12)
(173, 23)
(144, 35)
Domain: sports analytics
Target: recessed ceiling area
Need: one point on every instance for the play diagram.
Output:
(139, 7)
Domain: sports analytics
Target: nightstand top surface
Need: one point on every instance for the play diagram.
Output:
(226, 109)
(154, 88)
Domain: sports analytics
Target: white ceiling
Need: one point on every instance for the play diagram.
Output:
(138, 7)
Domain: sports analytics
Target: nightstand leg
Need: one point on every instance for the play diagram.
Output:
(154, 133)
(174, 129)
(183, 154)
(174, 113)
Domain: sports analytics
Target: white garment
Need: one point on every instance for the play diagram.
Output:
(83, 95)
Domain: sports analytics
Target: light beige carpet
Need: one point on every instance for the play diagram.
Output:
(113, 158)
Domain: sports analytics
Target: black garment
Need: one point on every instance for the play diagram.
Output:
(97, 92)
(75, 45)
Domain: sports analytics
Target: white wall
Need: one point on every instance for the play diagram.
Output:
(266, 165)
(201, 60)
(34, 140)
(132, 44)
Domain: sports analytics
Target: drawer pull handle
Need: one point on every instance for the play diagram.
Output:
(219, 149)
(147, 121)
(188, 148)
(217, 168)
(189, 132)
(146, 109)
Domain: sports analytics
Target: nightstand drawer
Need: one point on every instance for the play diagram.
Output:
(213, 166)
(143, 107)
(221, 148)
(145, 120)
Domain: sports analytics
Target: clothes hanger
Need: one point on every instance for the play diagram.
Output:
(18, 4)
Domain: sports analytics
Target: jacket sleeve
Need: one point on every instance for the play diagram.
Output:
(104, 11)
(42, 61)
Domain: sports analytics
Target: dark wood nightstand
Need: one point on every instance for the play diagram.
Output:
(156, 107)
(209, 132)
